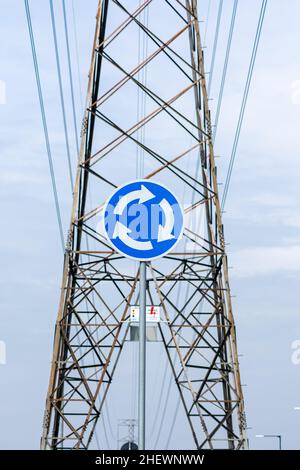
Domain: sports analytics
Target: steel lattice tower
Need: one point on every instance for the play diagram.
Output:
(190, 285)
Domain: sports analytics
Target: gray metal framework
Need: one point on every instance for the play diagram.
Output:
(190, 284)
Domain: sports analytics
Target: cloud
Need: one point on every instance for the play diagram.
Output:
(274, 200)
(11, 177)
(275, 217)
(267, 209)
(259, 261)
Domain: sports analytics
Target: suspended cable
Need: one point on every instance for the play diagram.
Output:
(106, 409)
(62, 100)
(244, 101)
(207, 19)
(70, 75)
(162, 418)
(173, 422)
(224, 73)
(155, 415)
(44, 121)
(212, 64)
(105, 431)
(77, 55)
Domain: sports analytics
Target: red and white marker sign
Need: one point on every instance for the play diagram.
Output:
(152, 314)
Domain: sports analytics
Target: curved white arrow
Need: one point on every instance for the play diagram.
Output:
(142, 195)
(165, 231)
(121, 231)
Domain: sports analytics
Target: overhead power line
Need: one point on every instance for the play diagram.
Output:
(173, 423)
(207, 20)
(70, 75)
(213, 57)
(224, 73)
(244, 101)
(44, 121)
(77, 54)
(61, 93)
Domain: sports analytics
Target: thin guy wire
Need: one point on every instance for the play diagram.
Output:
(224, 73)
(61, 93)
(212, 65)
(44, 121)
(244, 101)
(70, 75)
(207, 19)
(77, 54)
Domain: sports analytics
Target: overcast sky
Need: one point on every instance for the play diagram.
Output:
(262, 218)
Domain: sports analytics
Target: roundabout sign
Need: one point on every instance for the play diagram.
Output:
(143, 220)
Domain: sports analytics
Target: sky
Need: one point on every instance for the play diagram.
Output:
(261, 216)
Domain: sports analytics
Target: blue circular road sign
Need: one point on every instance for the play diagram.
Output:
(143, 220)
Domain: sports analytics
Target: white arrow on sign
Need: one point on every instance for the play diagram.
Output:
(121, 231)
(143, 195)
(165, 231)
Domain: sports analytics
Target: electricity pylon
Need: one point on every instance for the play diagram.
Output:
(172, 135)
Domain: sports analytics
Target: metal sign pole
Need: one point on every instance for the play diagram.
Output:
(142, 356)
(161, 239)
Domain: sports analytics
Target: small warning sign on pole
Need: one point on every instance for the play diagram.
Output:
(152, 314)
